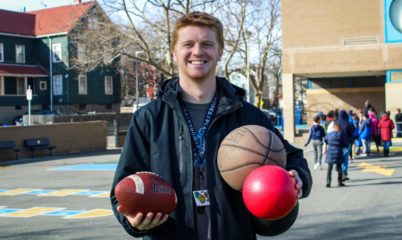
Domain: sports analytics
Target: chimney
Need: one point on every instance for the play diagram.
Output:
(77, 1)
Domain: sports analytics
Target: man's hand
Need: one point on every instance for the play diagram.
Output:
(141, 222)
(299, 183)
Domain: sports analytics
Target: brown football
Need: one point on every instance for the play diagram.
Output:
(145, 192)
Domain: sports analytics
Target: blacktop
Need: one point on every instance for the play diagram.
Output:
(66, 197)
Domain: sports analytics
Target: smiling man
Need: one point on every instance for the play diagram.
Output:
(178, 135)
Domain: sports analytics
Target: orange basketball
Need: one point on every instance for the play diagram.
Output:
(246, 148)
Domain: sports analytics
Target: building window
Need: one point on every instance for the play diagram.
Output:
(57, 85)
(56, 48)
(82, 85)
(43, 85)
(93, 23)
(1, 52)
(13, 86)
(20, 53)
(1, 86)
(21, 86)
(108, 85)
(81, 56)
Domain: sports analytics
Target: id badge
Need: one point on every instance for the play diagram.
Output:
(201, 198)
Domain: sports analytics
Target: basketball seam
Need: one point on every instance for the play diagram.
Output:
(253, 151)
(259, 142)
(268, 152)
(238, 168)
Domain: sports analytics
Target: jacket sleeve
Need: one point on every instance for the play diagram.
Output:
(309, 137)
(134, 158)
(275, 227)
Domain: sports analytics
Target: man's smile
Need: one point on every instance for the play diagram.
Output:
(197, 62)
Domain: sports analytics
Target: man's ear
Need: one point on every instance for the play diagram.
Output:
(174, 55)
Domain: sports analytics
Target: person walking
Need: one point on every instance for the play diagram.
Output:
(365, 134)
(334, 153)
(347, 130)
(375, 136)
(317, 134)
(177, 136)
(385, 126)
(398, 122)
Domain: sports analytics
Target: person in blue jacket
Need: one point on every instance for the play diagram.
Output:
(317, 134)
(334, 153)
(365, 133)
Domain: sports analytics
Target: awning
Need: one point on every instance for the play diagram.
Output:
(22, 71)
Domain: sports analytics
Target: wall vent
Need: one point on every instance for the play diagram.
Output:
(360, 41)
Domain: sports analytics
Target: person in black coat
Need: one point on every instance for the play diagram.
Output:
(334, 153)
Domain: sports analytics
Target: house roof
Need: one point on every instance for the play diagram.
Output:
(43, 22)
(18, 70)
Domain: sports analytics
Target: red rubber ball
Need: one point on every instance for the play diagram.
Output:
(269, 192)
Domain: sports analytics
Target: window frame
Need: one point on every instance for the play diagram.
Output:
(82, 90)
(108, 85)
(23, 53)
(1, 52)
(57, 53)
(81, 52)
(57, 88)
(93, 23)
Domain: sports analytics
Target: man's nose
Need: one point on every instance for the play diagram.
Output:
(197, 50)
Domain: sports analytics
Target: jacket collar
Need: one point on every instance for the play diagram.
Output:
(170, 92)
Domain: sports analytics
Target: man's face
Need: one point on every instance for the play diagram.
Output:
(196, 53)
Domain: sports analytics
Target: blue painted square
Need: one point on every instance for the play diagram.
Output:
(8, 210)
(40, 191)
(63, 213)
(4, 190)
(87, 167)
(89, 193)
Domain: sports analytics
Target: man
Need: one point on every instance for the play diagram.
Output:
(398, 122)
(177, 137)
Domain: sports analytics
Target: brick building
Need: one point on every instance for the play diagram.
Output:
(349, 51)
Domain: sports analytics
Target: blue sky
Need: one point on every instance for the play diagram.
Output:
(31, 5)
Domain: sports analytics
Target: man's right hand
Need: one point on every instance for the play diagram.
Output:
(141, 222)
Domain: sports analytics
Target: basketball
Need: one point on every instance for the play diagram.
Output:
(246, 148)
(145, 192)
(269, 192)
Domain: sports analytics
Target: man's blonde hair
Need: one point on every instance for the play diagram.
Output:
(198, 19)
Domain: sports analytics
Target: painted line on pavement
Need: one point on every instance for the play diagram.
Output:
(31, 212)
(53, 192)
(15, 192)
(55, 212)
(92, 213)
(368, 167)
(62, 193)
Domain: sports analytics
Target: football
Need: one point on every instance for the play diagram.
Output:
(145, 192)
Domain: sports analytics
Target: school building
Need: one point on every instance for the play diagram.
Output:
(348, 51)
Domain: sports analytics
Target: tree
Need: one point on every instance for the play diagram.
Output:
(253, 34)
(145, 27)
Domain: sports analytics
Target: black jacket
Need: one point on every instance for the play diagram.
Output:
(158, 140)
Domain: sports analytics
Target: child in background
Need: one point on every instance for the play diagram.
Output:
(365, 134)
(317, 133)
(385, 126)
(334, 153)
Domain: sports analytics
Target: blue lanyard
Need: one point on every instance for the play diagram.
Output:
(198, 139)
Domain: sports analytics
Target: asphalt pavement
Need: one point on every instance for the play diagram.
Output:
(66, 197)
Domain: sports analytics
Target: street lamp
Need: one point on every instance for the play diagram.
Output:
(137, 93)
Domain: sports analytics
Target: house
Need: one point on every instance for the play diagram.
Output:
(349, 51)
(37, 51)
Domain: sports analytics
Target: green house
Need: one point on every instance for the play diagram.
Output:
(38, 50)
